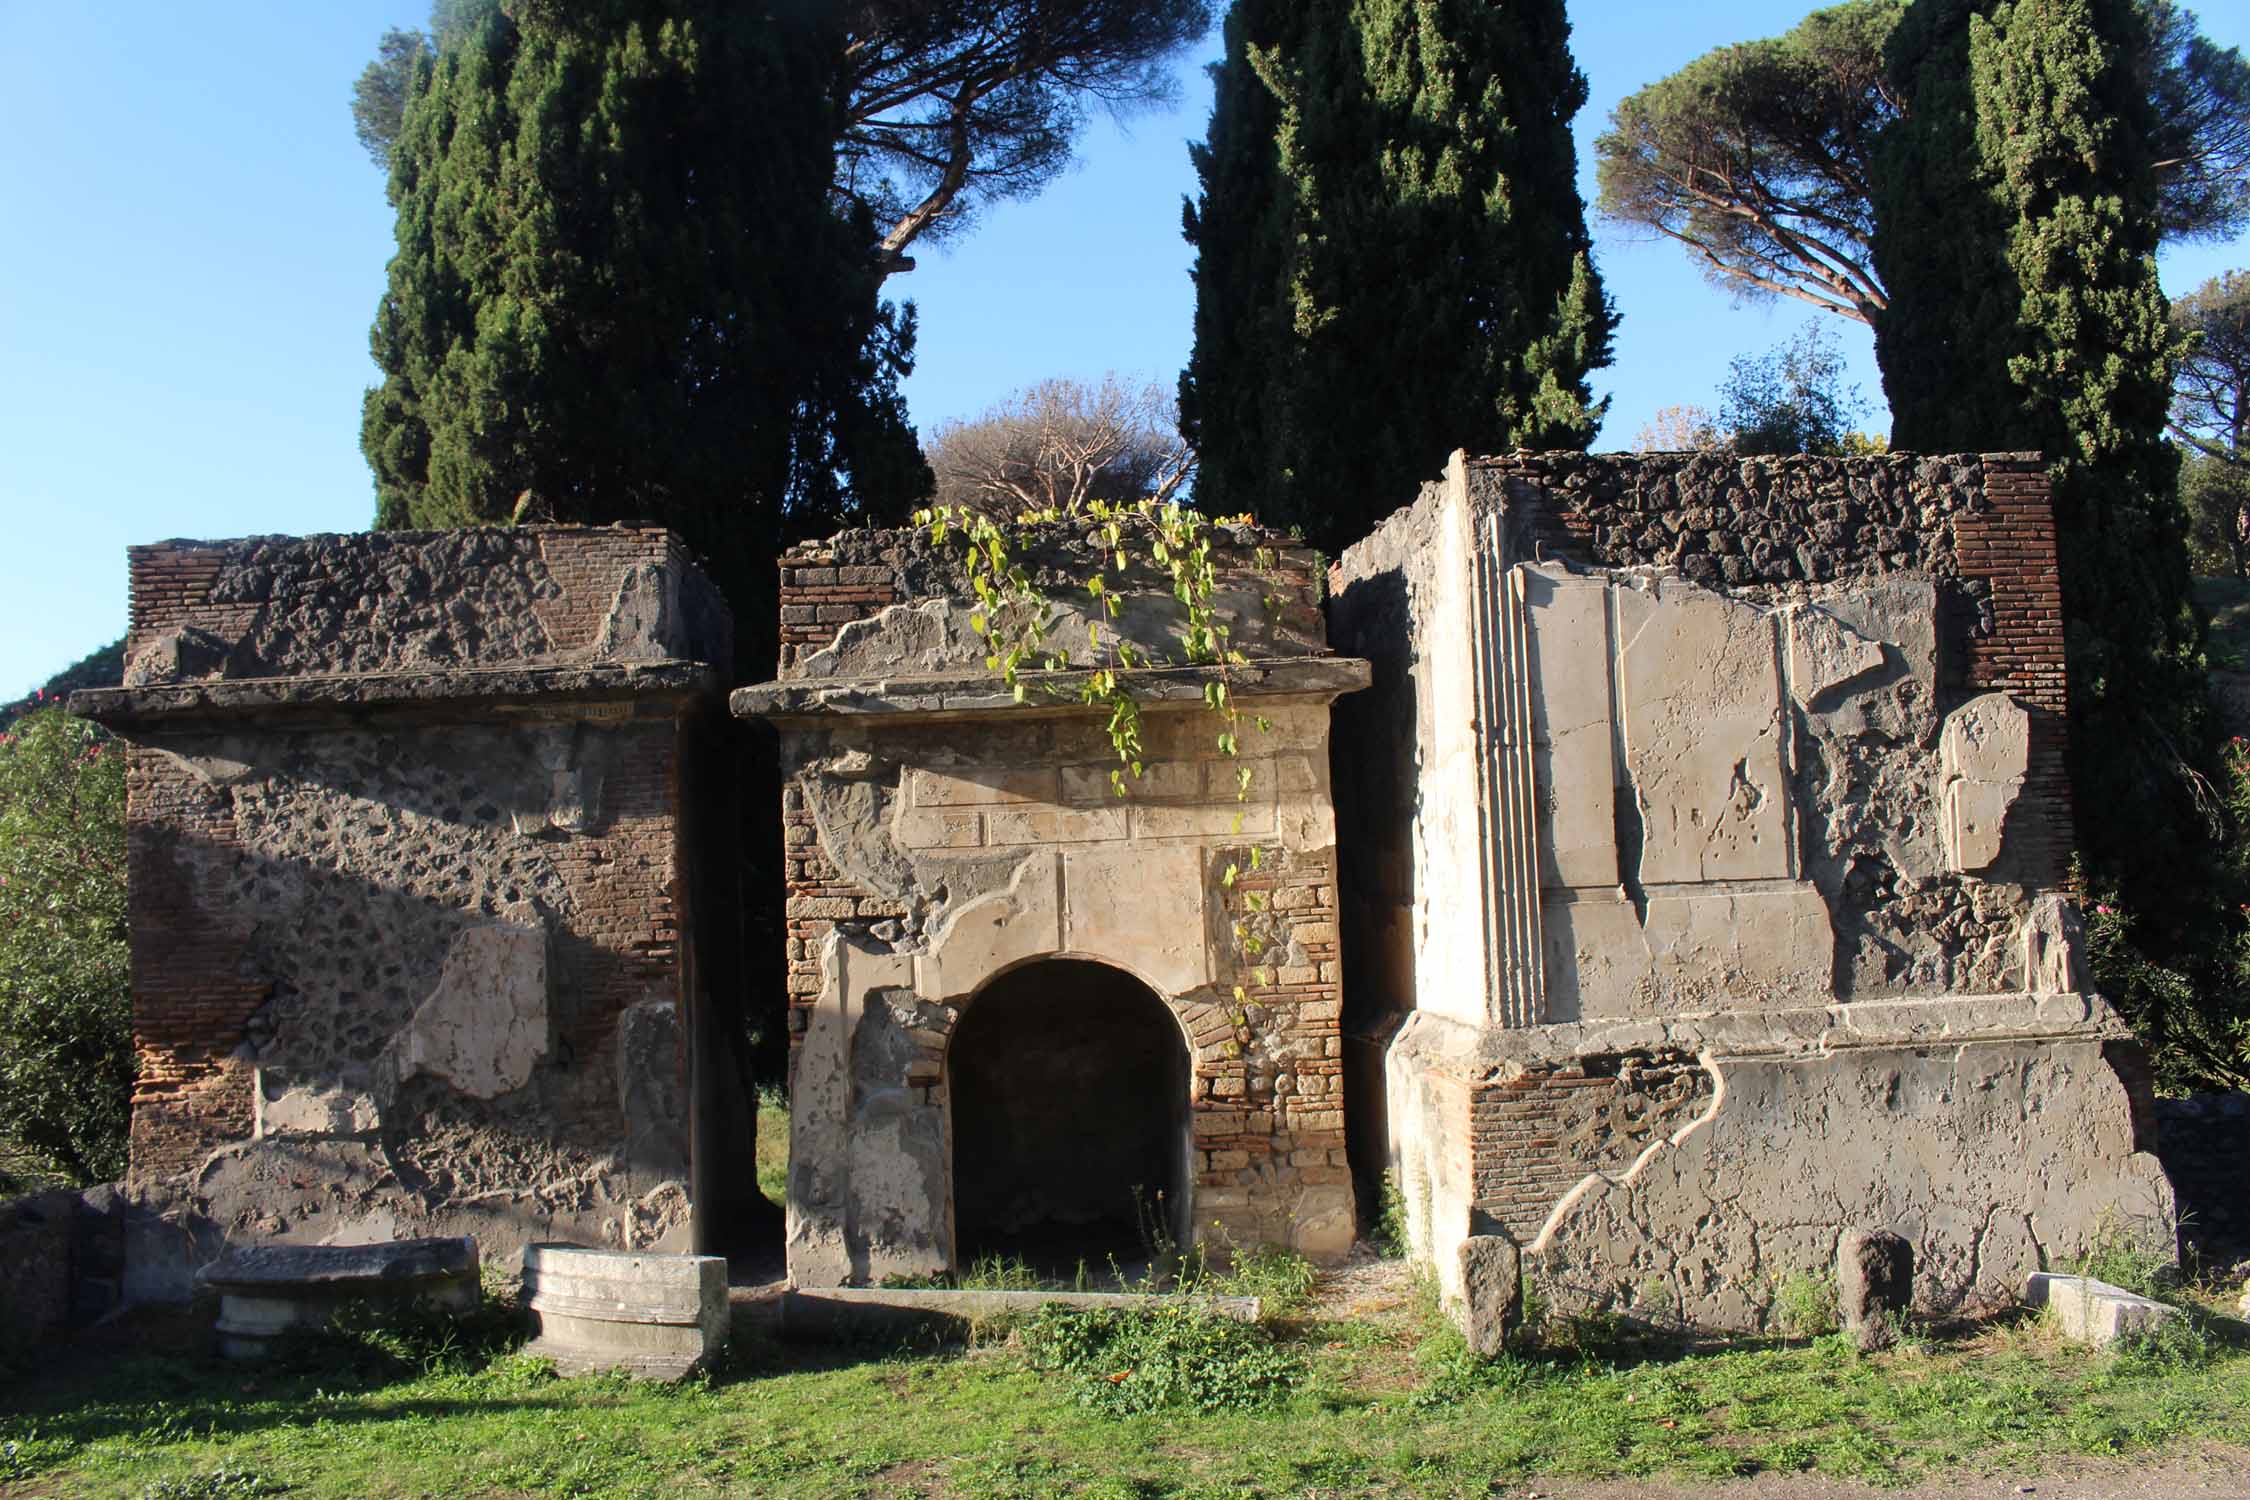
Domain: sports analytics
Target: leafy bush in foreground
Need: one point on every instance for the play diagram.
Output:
(1174, 1354)
(66, 1043)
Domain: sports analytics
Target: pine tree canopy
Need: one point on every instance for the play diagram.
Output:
(1758, 158)
(948, 105)
(603, 308)
(1391, 255)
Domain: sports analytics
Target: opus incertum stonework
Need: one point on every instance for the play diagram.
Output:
(1659, 874)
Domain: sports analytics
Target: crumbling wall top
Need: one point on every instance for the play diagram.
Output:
(892, 604)
(413, 617)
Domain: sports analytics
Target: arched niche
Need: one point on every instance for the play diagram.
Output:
(1069, 1089)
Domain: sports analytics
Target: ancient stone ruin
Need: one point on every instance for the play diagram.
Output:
(1702, 883)
(1033, 1014)
(415, 932)
(1654, 866)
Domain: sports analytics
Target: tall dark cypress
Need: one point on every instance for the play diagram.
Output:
(602, 299)
(2017, 230)
(1392, 255)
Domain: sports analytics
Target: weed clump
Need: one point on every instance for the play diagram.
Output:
(1172, 1355)
(1804, 1305)
(222, 1483)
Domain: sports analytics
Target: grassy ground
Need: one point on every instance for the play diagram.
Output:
(773, 1144)
(2228, 600)
(1387, 1403)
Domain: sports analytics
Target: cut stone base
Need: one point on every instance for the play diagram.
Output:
(655, 1316)
(2094, 1312)
(269, 1291)
(1676, 1172)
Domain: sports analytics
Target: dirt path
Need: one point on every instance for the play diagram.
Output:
(2218, 1473)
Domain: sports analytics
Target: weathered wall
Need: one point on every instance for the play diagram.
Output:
(940, 833)
(409, 887)
(1761, 747)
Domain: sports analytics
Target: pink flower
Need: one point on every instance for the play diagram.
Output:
(2110, 911)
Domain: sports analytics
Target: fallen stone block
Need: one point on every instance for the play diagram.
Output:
(1874, 1285)
(268, 1291)
(656, 1316)
(2094, 1312)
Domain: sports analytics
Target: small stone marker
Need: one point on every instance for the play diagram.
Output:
(651, 1315)
(266, 1291)
(1874, 1285)
(2094, 1312)
(1492, 1287)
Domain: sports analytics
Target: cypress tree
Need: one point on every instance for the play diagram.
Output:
(1392, 258)
(2017, 231)
(605, 306)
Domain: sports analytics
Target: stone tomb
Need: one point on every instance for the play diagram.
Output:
(1703, 897)
(1032, 1017)
(414, 907)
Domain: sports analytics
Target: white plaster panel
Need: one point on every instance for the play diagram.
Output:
(1142, 909)
(1700, 680)
(1597, 959)
(1448, 839)
(485, 1024)
(989, 934)
(1754, 946)
(1984, 754)
(1574, 762)
(1826, 653)
(984, 787)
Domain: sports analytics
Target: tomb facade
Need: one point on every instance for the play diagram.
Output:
(1037, 1009)
(1703, 884)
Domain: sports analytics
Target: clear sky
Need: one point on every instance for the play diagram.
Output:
(193, 243)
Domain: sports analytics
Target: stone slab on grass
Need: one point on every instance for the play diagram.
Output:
(267, 1291)
(655, 1316)
(2094, 1312)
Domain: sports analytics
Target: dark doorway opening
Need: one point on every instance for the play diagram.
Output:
(1069, 1084)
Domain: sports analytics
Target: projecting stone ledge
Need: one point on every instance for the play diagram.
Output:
(1309, 679)
(487, 686)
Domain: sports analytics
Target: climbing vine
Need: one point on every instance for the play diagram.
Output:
(1015, 620)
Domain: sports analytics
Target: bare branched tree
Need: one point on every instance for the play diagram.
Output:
(1061, 444)
(1680, 429)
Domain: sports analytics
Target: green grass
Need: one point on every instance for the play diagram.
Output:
(773, 1144)
(1388, 1406)
(2228, 600)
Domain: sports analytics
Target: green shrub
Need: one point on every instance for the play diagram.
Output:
(66, 1042)
(402, 1340)
(2135, 1261)
(1804, 1305)
(1280, 1278)
(1393, 1241)
(1174, 1354)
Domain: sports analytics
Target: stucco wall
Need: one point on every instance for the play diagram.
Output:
(411, 889)
(1766, 787)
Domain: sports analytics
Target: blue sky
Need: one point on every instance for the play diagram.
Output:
(193, 244)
